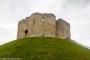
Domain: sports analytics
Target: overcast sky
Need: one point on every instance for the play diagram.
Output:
(76, 12)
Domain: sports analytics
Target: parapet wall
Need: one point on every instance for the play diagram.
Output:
(43, 25)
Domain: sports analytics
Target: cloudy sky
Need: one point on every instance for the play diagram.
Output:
(76, 12)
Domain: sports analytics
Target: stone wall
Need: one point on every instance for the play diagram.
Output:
(22, 26)
(43, 25)
(37, 25)
(49, 25)
(63, 29)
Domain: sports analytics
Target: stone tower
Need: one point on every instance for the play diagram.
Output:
(62, 29)
(43, 25)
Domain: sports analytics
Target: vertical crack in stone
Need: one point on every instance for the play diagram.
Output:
(43, 19)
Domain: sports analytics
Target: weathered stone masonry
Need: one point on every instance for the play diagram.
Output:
(43, 25)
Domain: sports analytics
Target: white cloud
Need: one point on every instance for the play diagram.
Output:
(77, 12)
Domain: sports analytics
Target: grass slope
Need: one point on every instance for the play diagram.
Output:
(44, 48)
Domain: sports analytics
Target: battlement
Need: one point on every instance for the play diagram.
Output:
(43, 24)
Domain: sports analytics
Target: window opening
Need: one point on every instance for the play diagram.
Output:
(26, 33)
(43, 18)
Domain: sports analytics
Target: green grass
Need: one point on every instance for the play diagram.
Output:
(44, 48)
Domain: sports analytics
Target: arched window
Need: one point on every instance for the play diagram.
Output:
(43, 18)
(26, 33)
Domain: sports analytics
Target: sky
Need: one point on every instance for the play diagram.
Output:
(76, 12)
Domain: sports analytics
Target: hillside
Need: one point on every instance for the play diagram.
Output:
(44, 48)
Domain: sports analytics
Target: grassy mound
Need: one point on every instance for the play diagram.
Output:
(44, 48)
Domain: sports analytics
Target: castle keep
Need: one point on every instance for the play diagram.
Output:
(46, 25)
